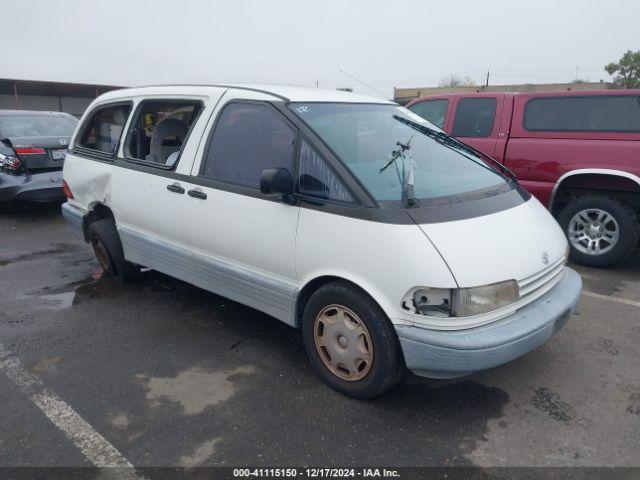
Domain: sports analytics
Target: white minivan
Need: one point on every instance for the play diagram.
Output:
(391, 245)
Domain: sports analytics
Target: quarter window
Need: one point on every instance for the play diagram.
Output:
(620, 113)
(159, 130)
(474, 117)
(433, 111)
(103, 129)
(317, 178)
(248, 138)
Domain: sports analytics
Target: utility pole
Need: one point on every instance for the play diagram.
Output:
(577, 69)
(317, 84)
(487, 83)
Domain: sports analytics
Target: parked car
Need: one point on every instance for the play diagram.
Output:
(32, 149)
(385, 240)
(577, 152)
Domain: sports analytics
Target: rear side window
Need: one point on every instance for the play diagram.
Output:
(317, 178)
(247, 139)
(433, 111)
(474, 117)
(103, 129)
(159, 130)
(620, 113)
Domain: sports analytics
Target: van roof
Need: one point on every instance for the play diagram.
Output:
(281, 92)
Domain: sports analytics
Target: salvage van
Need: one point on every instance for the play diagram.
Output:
(390, 244)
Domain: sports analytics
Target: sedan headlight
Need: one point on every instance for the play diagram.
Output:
(461, 302)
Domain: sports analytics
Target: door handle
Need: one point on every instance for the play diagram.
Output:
(197, 194)
(175, 188)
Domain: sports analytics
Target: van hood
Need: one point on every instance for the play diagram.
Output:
(509, 245)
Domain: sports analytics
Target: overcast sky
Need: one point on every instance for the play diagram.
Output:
(403, 43)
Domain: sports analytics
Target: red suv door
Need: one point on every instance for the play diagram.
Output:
(476, 120)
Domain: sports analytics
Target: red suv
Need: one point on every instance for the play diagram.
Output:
(577, 152)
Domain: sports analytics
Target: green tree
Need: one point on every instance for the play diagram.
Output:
(627, 70)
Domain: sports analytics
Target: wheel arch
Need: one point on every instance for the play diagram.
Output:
(314, 284)
(594, 180)
(98, 211)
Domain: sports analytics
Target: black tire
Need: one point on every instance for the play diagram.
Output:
(103, 236)
(387, 366)
(625, 217)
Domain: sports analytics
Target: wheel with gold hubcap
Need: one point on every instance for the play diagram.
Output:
(343, 343)
(350, 341)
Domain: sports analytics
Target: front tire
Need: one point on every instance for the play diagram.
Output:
(602, 231)
(107, 247)
(350, 342)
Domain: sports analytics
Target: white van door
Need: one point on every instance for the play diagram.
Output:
(245, 240)
(149, 189)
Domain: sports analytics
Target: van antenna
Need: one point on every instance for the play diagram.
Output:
(364, 83)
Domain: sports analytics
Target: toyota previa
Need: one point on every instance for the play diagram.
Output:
(390, 244)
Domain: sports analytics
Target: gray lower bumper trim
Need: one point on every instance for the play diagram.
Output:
(450, 354)
(74, 217)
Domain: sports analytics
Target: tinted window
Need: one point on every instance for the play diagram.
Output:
(317, 178)
(474, 117)
(432, 110)
(596, 114)
(248, 138)
(159, 131)
(103, 129)
(36, 125)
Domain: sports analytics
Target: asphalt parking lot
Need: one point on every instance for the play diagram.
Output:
(169, 374)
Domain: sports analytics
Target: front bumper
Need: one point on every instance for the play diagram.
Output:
(451, 354)
(33, 187)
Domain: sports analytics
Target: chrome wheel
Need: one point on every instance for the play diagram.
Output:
(593, 231)
(343, 343)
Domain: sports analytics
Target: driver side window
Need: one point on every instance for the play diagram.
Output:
(247, 139)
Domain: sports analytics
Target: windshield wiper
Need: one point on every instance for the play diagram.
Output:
(456, 144)
(406, 176)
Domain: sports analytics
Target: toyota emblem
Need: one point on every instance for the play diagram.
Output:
(545, 258)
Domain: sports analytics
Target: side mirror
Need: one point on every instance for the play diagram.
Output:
(276, 181)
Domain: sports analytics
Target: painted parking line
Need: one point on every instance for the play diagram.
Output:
(93, 445)
(624, 301)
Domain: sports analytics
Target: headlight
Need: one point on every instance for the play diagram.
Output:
(477, 300)
(461, 302)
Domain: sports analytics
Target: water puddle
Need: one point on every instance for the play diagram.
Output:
(61, 298)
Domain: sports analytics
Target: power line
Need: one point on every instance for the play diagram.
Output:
(364, 83)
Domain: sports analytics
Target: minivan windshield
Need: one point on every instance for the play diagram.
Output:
(396, 155)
